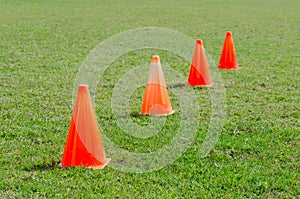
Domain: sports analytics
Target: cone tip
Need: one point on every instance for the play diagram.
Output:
(228, 33)
(199, 41)
(82, 87)
(155, 59)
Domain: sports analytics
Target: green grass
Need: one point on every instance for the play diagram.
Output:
(42, 46)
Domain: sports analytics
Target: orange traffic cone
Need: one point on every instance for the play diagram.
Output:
(84, 144)
(156, 99)
(199, 70)
(228, 57)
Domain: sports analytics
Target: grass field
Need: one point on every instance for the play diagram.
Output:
(43, 44)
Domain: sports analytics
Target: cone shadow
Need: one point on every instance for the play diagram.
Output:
(43, 167)
(135, 114)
